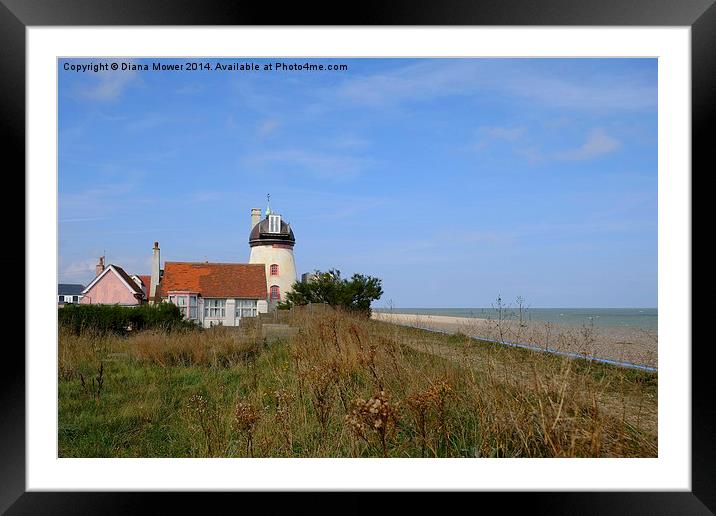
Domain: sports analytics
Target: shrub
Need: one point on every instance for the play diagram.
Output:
(354, 295)
(103, 319)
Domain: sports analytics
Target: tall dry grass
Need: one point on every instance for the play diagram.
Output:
(345, 386)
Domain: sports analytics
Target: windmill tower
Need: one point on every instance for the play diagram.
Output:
(271, 241)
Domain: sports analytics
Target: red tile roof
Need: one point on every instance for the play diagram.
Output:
(240, 280)
(146, 280)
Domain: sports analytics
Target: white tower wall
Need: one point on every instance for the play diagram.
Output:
(283, 257)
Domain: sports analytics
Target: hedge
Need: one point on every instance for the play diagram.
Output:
(121, 319)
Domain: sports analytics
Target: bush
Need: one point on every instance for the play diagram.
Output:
(354, 295)
(117, 319)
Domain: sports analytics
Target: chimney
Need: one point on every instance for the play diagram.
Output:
(255, 217)
(154, 281)
(99, 267)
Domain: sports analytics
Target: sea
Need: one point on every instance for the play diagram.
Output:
(637, 318)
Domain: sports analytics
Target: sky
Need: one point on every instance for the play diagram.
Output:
(455, 181)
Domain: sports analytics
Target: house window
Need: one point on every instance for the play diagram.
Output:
(275, 293)
(182, 304)
(61, 299)
(75, 299)
(186, 304)
(192, 307)
(274, 269)
(214, 308)
(246, 308)
(274, 223)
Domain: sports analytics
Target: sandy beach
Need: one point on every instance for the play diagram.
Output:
(614, 343)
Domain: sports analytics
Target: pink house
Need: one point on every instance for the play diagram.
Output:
(113, 286)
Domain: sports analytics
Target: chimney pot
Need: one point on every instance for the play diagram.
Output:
(99, 267)
(255, 217)
(156, 273)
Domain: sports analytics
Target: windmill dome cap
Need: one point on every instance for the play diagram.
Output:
(260, 234)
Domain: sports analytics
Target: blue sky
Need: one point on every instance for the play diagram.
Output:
(453, 180)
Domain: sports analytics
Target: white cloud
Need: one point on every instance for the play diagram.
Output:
(207, 196)
(349, 142)
(487, 134)
(322, 165)
(98, 201)
(83, 271)
(505, 133)
(268, 127)
(108, 85)
(148, 121)
(431, 79)
(349, 208)
(412, 82)
(483, 237)
(532, 154)
(598, 143)
(79, 270)
(603, 94)
(189, 89)
(82, 219)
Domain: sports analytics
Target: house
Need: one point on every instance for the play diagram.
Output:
(209, 293)
(113, 286)
(224, 293)
(143, 280)
(214, 293)
(69, 293)
(308, 277)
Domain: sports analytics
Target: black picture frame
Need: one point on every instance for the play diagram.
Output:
(17, 15)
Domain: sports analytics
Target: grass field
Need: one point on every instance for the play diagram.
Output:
(343, 387)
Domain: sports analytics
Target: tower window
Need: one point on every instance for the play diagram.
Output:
(274, 269)
(275, 293)
(274, 223)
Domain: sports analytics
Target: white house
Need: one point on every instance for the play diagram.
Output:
(224, 293)
(214, 293)
(69, 293)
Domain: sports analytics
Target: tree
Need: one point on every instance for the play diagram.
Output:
(355, 294)
(361, 290)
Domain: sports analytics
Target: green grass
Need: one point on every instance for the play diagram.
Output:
(497, 401)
